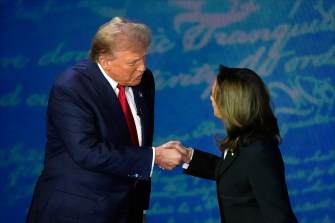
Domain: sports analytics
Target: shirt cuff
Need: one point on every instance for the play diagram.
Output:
(185, 165)
(153, 160)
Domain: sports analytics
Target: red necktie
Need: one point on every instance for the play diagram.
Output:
(127, 113)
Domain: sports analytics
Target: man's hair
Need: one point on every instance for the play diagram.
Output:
(119, 34)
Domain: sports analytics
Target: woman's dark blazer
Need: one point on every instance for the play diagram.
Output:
(250, 183)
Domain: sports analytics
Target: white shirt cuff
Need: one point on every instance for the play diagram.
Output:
(185, 165)
(153, 160)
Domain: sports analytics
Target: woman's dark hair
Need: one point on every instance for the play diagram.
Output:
(243, 101)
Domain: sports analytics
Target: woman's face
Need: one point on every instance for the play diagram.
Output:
(214, 104)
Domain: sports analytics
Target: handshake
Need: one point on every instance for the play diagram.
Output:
(172, 154)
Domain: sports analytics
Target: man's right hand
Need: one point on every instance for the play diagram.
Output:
(169, 155)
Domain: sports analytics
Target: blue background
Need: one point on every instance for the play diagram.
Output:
(290, 44)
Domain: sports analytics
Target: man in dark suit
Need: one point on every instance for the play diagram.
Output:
(96, 169)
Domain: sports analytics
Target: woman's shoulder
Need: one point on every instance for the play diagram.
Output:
(261, 152)
(260, 146)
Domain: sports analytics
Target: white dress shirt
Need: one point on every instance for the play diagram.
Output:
(131, 102)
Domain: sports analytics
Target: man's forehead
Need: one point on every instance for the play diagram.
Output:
(131, 54)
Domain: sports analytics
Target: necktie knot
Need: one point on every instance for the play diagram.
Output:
(120, 87)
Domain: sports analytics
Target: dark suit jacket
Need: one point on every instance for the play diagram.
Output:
(250, 183)
(90, 167)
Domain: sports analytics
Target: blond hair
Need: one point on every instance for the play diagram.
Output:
(119, 34)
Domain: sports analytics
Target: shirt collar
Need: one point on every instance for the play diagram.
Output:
(109, 79)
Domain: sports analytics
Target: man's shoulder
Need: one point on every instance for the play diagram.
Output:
(79, 71)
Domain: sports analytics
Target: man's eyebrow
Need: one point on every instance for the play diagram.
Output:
(138, 58)
(134, 60)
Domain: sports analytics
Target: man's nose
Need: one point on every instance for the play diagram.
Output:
(141, 66)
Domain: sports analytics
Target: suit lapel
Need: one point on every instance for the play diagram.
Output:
(226, 163)
(107, 98)
(141, 109)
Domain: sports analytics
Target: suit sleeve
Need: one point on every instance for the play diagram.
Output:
(267, 179)
(72, 119)
(203, 165)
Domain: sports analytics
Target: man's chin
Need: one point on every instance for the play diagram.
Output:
(135, 82)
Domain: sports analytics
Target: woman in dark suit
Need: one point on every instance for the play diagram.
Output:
(249, 175)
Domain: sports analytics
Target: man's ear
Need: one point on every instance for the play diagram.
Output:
(103, 61)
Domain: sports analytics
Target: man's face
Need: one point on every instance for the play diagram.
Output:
(127, 66)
